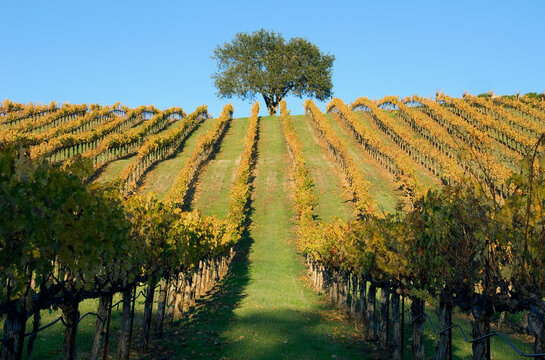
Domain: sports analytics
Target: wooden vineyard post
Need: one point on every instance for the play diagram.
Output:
(371, 300)
(417, 310)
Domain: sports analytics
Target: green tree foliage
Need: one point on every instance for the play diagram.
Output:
(264, 63)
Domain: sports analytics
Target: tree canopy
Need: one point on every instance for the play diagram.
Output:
(264, 63)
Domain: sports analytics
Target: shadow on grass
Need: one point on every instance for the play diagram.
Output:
(279, 334)
(198, 331)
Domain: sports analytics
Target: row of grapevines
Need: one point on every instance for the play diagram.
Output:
(456, 151)
(494, 163)
(476, 139)
(426, 127)
(496, 129)
(364, 205)
(428, 153)
(520, 108)
(67, 145)
(38, 138)
(240, 192)
(538, 104)
(526, 126)
(122, 144)
(335, 252)
(203, 149)
(9, 106)
(14, 114)
(66, 113)
(305, 199)
(160, 146)
(393, 159)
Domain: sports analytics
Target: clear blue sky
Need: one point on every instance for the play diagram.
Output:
(158, 52)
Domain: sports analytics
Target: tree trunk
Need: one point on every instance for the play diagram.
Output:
(481, 326)
(536, 325)
(133, 303)
(343, 291)
(161, 307)
(102, 314)
(193, 297)
(444, 314)
(384, 317)
(34, 334)
(363, 301)
(178, 305)
(397, 346)
(273, 108)
(371, 300)
(171, 295)
(417, 309)
(187, 292)
(354, 296)
(524, 322)
(148, 308)
(14, 332)
(123, 342)
(502, 321)
(198, 279)
(108, 326)
(70, 315)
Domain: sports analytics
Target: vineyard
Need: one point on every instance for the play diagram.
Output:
(419, 220)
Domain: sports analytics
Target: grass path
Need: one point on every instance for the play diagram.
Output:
(162, 176)
(212, 190)
(278, 318)
(382, 183)
(113, 169)
(328, 189)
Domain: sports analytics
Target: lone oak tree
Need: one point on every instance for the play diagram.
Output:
(263, 62)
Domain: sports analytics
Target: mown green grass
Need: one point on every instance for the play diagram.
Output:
(382, 184)
(214, 184)
(278, 318)
(113, 169)
(329, 189)
(162, 176)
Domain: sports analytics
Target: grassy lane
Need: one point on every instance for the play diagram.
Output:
(212, 191)
(382, 183)
(113, 169)
(331, 202)
(162, 176)
(278, 318)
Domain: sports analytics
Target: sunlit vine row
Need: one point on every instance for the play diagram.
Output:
(160, 146)
(359, 186)
(200, 154)
(393, 159)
